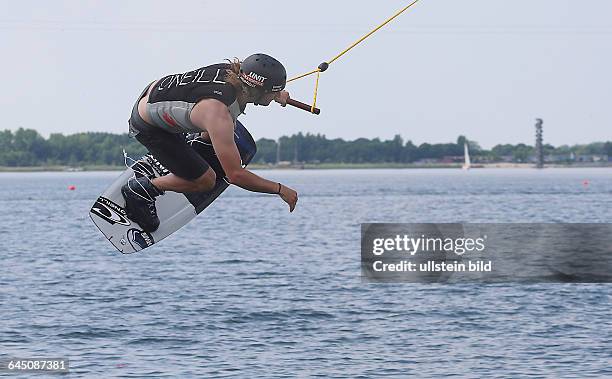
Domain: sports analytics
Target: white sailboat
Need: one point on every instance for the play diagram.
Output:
(466, 153)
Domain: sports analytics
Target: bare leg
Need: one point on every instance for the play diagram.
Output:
(171, 182)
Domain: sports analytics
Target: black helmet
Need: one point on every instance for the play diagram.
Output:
(264, 72)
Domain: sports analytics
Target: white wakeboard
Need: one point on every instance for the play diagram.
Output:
(174, 209)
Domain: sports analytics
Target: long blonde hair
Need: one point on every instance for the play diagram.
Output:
(233, 78)
(233, 74)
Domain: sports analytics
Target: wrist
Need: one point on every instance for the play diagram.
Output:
(280, 186)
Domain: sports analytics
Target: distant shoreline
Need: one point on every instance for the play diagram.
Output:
(319, 166)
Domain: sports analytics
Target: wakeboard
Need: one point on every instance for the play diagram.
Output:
(174, 209)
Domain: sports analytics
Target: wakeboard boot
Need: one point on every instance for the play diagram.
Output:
(139, 195)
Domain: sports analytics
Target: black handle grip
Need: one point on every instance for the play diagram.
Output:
(306, 107)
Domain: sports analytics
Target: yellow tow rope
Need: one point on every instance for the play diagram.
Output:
(323, 66)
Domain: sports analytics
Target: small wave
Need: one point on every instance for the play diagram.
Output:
(161, 340)
(298, 314)
(92, 333)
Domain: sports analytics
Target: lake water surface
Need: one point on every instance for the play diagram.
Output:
(249, 290)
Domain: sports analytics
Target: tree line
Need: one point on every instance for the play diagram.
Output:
(26, 147)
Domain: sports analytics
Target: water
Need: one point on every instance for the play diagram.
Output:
(249, 290)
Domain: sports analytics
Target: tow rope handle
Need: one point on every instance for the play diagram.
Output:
(304, 106)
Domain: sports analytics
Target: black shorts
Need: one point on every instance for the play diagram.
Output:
(171, 150)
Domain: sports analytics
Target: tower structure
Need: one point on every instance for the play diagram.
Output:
(539, 150)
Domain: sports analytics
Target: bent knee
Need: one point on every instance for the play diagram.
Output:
(206, 182)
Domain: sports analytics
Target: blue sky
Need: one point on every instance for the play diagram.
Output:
(482, 68)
